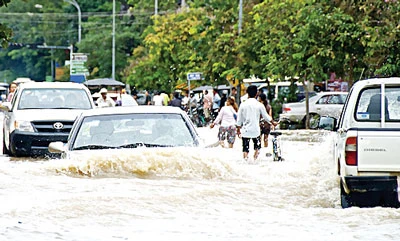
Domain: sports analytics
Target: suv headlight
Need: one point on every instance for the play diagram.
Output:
(23, 126)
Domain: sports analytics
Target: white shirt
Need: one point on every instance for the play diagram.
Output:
(108, 102)
(225, 116)
(158, 100)
(185, 100)
(216, 101)
(249, 118)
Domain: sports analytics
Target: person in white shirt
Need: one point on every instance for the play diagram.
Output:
(216, 102)
(104, 100)
(227, 118)
(248, 122)
(157, 99)
(185, 101)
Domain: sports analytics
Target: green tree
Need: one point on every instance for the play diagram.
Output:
(33, 27)
(172, 46)
(97, 41)
(5, 32)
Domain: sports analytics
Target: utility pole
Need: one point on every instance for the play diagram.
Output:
(113, 43)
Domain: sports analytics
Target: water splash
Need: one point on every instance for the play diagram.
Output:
(180, 163)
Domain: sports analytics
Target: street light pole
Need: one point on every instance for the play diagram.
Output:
(113, 42)
(76, 5)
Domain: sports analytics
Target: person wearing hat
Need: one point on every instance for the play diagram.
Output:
(104, 100)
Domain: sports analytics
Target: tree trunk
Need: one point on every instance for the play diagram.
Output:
(307, 123)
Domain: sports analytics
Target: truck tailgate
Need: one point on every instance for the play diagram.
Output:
(378, 151)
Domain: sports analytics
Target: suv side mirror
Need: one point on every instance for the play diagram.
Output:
(327, 123)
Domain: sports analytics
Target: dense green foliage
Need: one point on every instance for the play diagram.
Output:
(5, 32)
(304, 38)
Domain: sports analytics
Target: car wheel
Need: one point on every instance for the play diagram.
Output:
(5, 150)
(284, 125)
(314, 121)
(345, 199)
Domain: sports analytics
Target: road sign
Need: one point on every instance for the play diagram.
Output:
(195, 76)
(78, 64)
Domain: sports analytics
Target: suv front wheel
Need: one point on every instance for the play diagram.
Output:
(5, 150)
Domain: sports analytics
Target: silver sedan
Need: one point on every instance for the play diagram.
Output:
(322, 104)
(122, 128)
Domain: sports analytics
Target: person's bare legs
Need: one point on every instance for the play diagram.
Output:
(245, 155)
(256, 152)
(265, 140)
(230, 145)
(222, 143)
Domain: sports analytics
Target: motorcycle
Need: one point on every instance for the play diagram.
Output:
(196, 114)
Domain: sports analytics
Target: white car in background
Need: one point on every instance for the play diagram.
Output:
(321, 104)
(279, 89)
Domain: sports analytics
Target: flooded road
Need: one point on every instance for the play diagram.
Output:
(187, 194)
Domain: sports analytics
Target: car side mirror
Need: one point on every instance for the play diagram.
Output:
(56, 147)
(327, 123)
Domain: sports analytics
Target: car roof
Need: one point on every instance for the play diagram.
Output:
(332, 93)
(389, 80)
(281, 83)
(134, 109)
(33, 84)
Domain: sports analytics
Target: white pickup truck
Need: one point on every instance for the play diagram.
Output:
(40, 113)
(367, 147)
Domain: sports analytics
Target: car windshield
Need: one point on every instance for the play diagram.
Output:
(312, 96)
(133, 130)
(54, 98)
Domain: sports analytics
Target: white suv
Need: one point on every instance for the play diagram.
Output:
(40, 113)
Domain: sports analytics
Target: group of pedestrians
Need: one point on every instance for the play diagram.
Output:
(251, 121)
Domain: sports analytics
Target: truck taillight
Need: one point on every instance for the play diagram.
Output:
(286, 109)
(351, 151)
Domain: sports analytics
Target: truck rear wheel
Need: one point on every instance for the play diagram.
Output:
(345, 199)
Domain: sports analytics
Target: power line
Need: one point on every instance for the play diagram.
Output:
(86, 14)
(71, 15)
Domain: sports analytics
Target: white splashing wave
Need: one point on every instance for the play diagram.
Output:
(181, 163)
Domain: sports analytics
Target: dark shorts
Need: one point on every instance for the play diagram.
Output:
(265, 130)
(228, 133)
(246, 143)
(265, 127)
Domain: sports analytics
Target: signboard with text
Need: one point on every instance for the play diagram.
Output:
(78, 63)
(195, 76)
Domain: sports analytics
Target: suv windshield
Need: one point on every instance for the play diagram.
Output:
(43, 98)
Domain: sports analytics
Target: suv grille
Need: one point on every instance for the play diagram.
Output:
(53, 126)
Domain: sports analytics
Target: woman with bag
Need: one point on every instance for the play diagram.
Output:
(264, 125)
(227, 120)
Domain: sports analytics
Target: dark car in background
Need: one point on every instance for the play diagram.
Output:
(141, 98)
